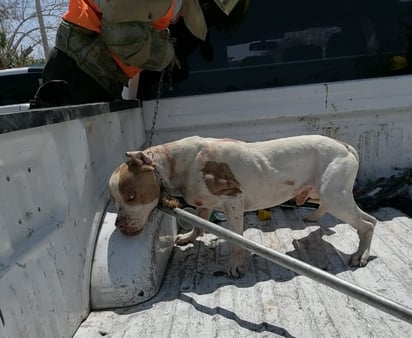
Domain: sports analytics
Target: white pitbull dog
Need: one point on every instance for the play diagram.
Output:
(235, 176)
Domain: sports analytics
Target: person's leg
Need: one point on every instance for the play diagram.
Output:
(82, 88)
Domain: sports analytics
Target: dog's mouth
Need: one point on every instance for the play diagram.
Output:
(130, 231)
(128, 227)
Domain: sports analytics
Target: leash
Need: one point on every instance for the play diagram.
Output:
(149, 137)
(167, 200)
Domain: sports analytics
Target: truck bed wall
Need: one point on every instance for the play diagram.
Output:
(373, 115)
(53, 180)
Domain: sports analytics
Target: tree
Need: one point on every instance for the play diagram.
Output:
(27, 30)
(42, 27)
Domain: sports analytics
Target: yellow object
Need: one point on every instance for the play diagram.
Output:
(399, 62)
(226, 5)
(264, 215)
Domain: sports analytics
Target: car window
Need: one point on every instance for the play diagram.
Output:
(282, 43)
(20, 87)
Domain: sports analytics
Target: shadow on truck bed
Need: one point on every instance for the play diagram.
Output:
(196, 296)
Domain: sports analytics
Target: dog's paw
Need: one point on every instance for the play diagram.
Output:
(359, 260)
(234, 272)
(183, 239)
(235, 268)
(189, 237)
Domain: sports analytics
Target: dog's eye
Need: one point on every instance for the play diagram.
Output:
(131, 196)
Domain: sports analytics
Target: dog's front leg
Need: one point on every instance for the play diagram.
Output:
(191, 236)
(234, 210)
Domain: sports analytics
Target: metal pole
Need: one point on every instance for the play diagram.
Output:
(380, 302)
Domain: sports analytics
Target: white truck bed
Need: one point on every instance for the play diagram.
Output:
(197, 299)
(55, 164)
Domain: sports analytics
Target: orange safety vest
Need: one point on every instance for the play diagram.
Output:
(86, 14)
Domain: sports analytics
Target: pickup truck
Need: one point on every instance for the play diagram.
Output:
(18, 86)
(65, 271)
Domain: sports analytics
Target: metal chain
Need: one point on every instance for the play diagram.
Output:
(169, 75)
(156, 110)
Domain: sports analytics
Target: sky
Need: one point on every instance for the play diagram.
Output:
(51, 22)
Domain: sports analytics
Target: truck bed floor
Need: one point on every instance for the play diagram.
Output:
(198, 300)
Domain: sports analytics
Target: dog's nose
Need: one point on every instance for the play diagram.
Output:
(121, 222)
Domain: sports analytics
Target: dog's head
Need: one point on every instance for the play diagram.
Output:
(135, 190)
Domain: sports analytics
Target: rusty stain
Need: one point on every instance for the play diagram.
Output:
(312, 123)
(301, 198)
(331, 131)
(303, 193)
(31, 231)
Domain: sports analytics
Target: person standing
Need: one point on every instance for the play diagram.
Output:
(101, 44)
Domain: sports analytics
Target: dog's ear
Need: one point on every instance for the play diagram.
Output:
(140, 160)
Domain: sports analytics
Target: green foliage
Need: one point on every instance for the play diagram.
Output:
(3, 39)
(21, 40)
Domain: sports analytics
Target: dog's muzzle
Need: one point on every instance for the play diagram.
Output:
(127, 227)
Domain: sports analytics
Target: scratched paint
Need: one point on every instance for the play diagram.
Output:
(55, 177)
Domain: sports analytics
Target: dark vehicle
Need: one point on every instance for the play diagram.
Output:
(284, 43)
(18, 86)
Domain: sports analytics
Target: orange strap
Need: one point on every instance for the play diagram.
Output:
(130, 71)
(84, 13)
(164, 22)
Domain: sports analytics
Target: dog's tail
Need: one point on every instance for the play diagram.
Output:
(351, 150)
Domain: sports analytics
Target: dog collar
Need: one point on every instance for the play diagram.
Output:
(161, 180)
(166, 199)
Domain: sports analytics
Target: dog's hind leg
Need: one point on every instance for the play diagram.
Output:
(343, 207)
(196, 232)
(364, 225)
(337, 199)
(365, 233)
